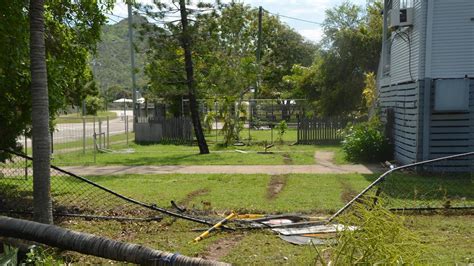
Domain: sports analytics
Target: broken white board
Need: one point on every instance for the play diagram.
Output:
(315, 229)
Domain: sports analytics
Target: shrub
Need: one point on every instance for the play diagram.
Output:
(209, 120)
(93, 105)
(282, 127)
(366, 142)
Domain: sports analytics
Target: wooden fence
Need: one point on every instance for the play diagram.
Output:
(176, 130)
(320, 131)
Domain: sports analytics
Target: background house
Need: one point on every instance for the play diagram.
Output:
(426, 79)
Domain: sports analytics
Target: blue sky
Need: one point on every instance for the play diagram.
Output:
(312, 10)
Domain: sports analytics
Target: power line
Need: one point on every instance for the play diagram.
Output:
(110, 14)
(109, 18)
(298, 19)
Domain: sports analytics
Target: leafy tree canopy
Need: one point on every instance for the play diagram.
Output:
(72, 29)
(350, 48)
(224, 38)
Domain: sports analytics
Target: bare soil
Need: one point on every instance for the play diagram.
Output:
(287, 159)
(193, 194)
(348, 192)
(222, 247)
(276, 185)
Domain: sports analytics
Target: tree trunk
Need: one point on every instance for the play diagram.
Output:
(40, 116)
(193, 105)
(93, 245)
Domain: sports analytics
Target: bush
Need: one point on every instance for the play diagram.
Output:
(365, 142)
(93, 105)
(282, 127)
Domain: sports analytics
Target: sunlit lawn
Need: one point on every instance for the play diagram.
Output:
(450, 238)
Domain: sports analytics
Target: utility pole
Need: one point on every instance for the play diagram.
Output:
(259, 50)
(132, 61)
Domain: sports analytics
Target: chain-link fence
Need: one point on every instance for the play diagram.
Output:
(80, 139)
(72, 195)
(416, 187)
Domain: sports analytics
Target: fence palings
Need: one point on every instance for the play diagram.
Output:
(320, 131)
(176, 130)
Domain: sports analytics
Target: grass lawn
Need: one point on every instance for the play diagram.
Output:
(242, 193)
(71, 153)
(450, 237)
(162, 154)
(76, 117)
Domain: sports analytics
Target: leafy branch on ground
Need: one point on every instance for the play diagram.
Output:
(381, 238)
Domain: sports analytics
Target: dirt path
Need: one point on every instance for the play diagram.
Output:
(275, 186)
(193, 194)
(220, 169)
(222, 247)
(323, 165)
(348, 192)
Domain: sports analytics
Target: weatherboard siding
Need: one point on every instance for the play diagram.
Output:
(452, 54)
(405, 57)
(452, 133)
(403, 99)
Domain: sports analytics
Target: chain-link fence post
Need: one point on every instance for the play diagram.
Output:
(94, 137)
(108, 133)
(100, 134)
(126, 128)
(83, 135)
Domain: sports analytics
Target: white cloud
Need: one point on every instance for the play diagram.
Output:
(314, 35)
(312, 10)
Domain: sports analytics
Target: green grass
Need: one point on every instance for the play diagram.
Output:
(77, 117)
(247, 193)
(449, 238)
(162, 154)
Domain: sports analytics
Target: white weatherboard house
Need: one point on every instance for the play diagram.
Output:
(426, 79)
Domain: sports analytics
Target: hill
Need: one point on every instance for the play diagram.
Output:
(111, 65)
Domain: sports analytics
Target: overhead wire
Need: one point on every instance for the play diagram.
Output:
(298, 19)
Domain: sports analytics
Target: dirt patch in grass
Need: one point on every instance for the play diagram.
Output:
(348, 192)
(287, 159)
(222, 247)
(193, 194)
(276, 185)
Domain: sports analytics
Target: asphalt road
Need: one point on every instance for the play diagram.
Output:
(68, 132)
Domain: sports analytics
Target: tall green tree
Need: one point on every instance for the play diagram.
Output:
(224, 53)
(350, 48)
(282, 47)
(185, 40)
(37, 36)
(72, 29)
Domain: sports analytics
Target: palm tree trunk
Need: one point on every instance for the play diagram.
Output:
(193, 105)
(40, 116)
(93, 245)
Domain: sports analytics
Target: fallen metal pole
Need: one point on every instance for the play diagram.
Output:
(89, 244)
(382, 177)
